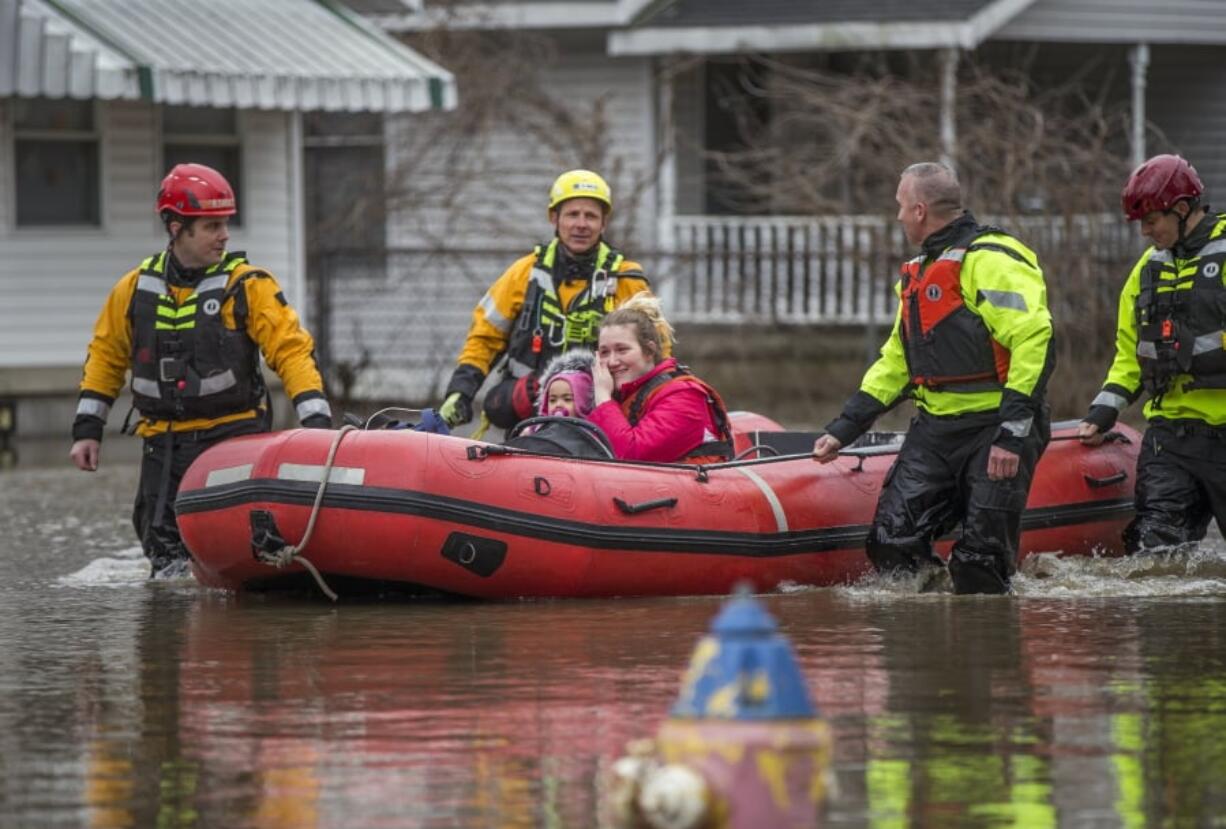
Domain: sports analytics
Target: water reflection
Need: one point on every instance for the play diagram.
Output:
(1096, 697)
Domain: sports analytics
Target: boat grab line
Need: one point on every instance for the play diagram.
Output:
(781, 518)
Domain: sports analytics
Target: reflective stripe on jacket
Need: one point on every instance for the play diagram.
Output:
(270, 323)
(1180, 315)
(999, 291)
(567, 317)
(186, 363)
(1168, 302)
(947, 345)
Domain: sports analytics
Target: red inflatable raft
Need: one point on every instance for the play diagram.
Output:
(475, 519)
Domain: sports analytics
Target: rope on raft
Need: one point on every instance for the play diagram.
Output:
(291, 553)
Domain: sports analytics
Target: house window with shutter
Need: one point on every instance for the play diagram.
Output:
(56, 150)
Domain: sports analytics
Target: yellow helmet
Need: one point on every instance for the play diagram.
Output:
(580, 184)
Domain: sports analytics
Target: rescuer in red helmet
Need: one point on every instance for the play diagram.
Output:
(1169, 345)
(190, 323)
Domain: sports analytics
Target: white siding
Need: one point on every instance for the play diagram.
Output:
(53, 280)
(483, 193)
(498, 195)
(268, 226)
(1186, 103)
(1115, 21)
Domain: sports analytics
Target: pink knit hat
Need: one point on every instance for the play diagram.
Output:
(575, 368)
(580, 386)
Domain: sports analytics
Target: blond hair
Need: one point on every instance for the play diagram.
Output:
(642, 313)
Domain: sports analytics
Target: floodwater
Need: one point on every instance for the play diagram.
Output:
(1095, 697)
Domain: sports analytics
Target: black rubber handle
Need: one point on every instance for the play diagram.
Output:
(1099, 483)
(635, 509)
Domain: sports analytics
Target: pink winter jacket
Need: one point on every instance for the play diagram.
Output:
(675, 420)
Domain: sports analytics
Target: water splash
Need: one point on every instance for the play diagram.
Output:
(125, 568)
(1200, 572)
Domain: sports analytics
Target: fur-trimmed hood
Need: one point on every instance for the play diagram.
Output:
(576, 366)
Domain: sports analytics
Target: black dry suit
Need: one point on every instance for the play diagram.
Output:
(972, 346)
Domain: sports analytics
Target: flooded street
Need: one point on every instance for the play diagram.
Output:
(1095, 697)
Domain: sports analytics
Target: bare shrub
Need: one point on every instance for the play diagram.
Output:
(1045, 162)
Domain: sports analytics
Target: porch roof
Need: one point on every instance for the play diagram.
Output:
(731, 26)
(250, 54)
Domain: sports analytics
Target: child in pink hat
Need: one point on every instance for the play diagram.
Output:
(566, 385)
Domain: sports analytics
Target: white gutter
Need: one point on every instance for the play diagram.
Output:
(823, 37)
(478, 16)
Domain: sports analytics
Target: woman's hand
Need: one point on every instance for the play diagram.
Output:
(602, 382)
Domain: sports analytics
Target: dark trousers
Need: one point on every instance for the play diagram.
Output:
(939, 480)
(164, 460)
(1181, 484)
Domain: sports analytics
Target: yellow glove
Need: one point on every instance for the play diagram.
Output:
(457, 409)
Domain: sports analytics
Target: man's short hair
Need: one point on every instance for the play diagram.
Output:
(936, 185)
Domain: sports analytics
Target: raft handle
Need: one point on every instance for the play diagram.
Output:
(635, 509)
(1099, 483)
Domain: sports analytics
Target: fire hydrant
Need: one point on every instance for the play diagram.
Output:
(743, 747)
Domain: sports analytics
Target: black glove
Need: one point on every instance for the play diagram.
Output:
(317, 421)
(1103, 417)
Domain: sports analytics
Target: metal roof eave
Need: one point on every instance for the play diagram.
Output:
(842, 36)
(63, 48)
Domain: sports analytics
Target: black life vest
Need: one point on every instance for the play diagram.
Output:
(711, 451)
(1181, 317)
(947, 345)
(544, 329)
(186, 364)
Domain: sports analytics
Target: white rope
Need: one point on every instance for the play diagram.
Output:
(387, 409)
(293, 552)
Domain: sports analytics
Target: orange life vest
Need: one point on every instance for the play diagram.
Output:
(947, 345)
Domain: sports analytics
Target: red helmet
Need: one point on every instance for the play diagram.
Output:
(1158, 184)
(196, 190)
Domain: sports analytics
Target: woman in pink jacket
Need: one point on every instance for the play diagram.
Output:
(652, 408)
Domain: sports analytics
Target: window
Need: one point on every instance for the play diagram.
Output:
(200, 135)
(56, 148)
(345, 186)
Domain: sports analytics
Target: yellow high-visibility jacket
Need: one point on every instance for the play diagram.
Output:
(271, 323)
(1123, 385)
(496, 314)
(999, 284)
(1010, 295)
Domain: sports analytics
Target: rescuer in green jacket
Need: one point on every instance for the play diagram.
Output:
(972, 346)
(1169, 346)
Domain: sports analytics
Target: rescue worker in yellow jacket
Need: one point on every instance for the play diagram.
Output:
(972, 345)
(545, 303)
(190, 323)
(1169, 345)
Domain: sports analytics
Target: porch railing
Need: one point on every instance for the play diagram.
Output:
(391, 322)
(836, 269)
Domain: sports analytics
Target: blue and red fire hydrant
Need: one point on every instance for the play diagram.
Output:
(743, 747)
